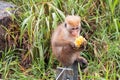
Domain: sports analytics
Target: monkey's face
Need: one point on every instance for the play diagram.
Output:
(72, 24)
(73, 30)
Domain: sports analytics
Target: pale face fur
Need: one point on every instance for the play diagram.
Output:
(73, 25)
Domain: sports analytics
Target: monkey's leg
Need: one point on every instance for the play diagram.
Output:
(83, 62)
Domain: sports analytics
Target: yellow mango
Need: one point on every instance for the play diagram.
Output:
(79, 40)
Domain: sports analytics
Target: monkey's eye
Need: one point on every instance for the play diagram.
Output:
(73, 28)
(77, 27)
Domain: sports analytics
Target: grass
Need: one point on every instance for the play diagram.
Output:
(38, 18)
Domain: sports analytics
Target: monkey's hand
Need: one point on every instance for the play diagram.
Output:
(72, 44)
(83, 45)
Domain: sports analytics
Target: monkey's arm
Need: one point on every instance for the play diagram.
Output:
(63, 42)
(60, 37)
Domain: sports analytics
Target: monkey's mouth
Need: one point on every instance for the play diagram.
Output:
(74, 33)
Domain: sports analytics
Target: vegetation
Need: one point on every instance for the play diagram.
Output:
(38, 18)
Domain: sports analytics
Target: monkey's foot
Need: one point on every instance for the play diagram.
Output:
(83, 63)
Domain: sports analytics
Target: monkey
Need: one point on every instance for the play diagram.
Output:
(62, 42)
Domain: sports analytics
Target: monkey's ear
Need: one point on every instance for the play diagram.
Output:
(65, 24)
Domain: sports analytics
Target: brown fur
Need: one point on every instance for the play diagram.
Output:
(62, 43)
(73, 20)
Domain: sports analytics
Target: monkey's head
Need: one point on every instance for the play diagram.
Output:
(72, 24)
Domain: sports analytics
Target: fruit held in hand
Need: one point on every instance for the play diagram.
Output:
(79, 40)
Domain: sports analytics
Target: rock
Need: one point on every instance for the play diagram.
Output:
(6, 10)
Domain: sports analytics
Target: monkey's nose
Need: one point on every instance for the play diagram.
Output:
(74, 33)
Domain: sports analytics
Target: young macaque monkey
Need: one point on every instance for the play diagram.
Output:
(63, 42)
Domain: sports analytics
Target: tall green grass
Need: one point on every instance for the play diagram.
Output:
(38, 18)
